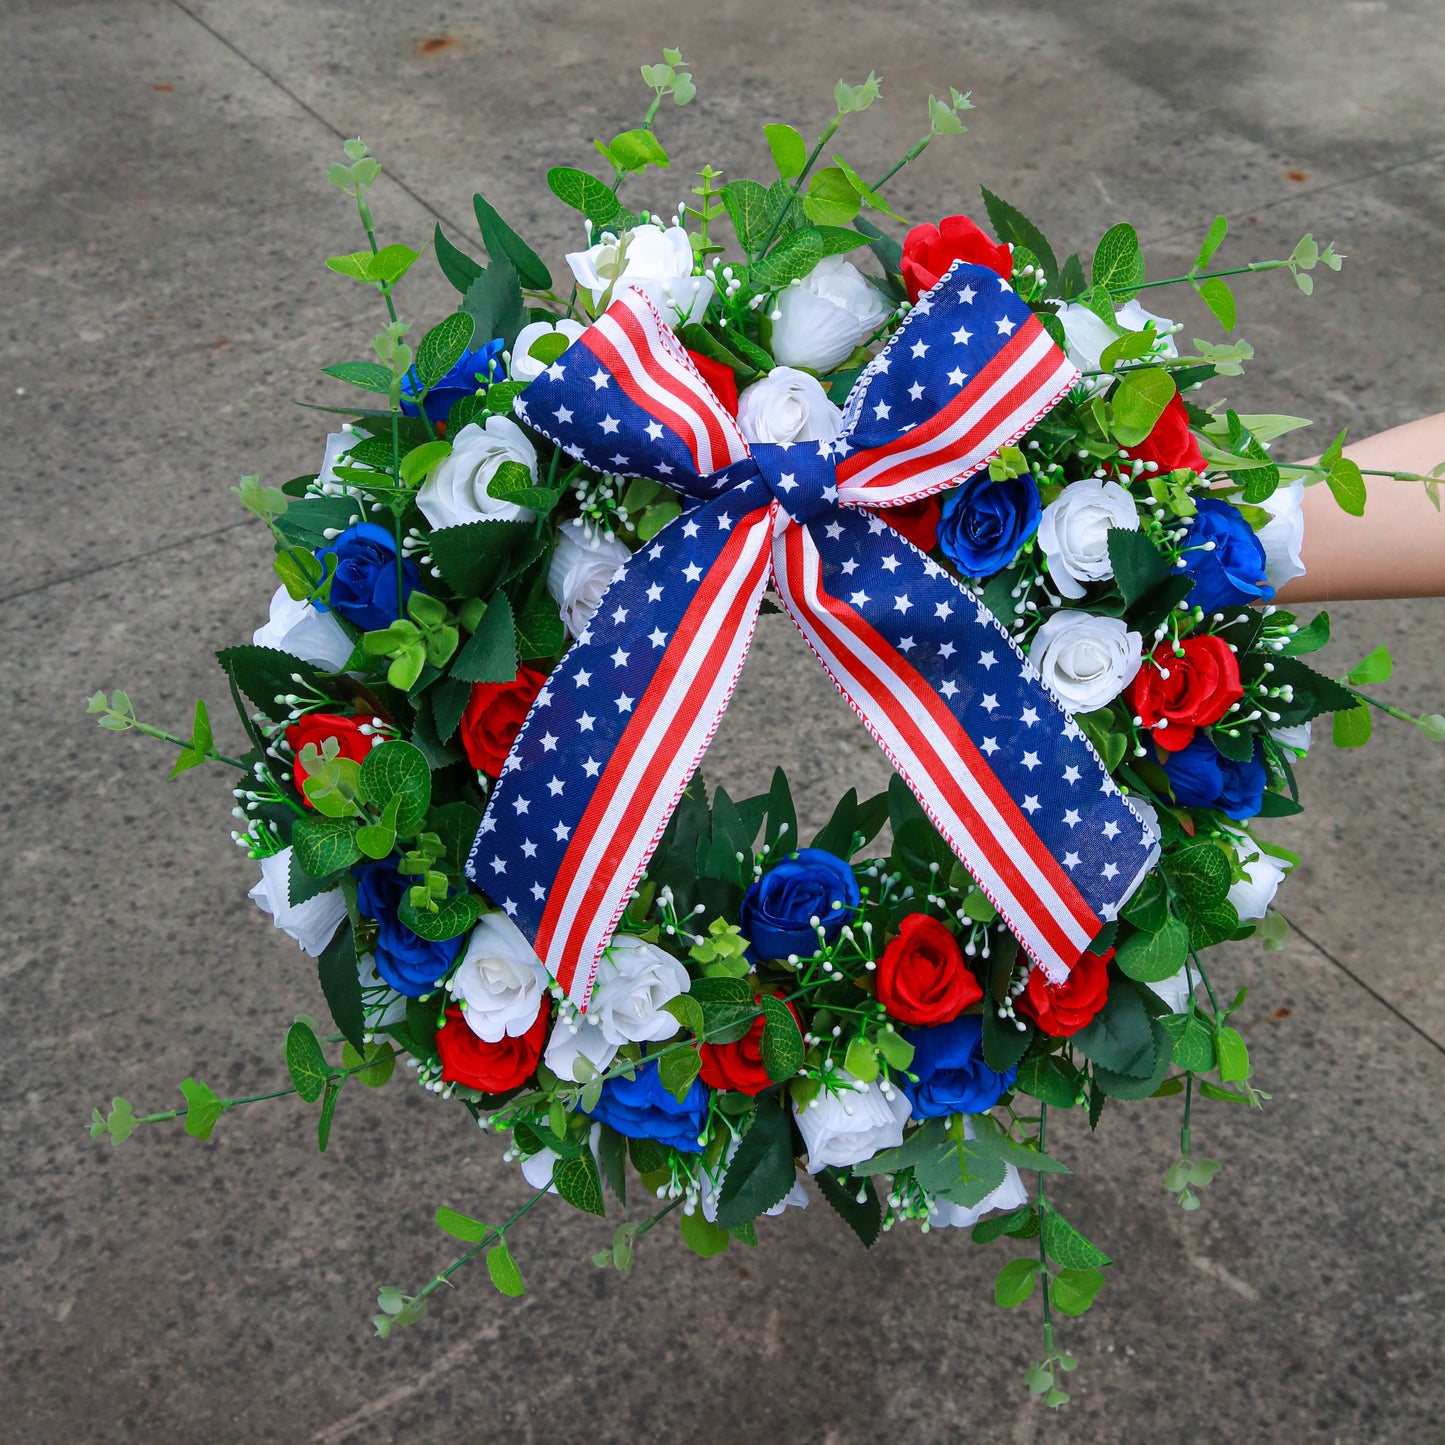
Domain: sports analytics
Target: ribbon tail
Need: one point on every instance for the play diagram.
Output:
(1006, 775)
(613, 738)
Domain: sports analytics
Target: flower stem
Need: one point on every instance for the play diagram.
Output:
(1202, 276)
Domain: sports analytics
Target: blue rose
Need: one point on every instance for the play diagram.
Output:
(984, 522)
(1202, 777)
(952, 1075)
(1231, 572)
(363, 589)
(779, 909)
(640, 1108)
(475, 371)
(410, 963)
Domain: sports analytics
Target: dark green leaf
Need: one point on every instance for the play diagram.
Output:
(1048, 1079)
(442, 347)
(454, 917)
(1003, 1044)
(448, 698)
(1129, 1086)
(702, 1238)
(1015, 1282)
(324, 846)
(794, 256)
(762, 1170)
(1314, 693)
(328, 1113)
(1066, 1246)
(340, 983)
(579, 1183)
(612, 1154)
(1118, 1037)
(306, 1063)
(1138, 564)
(501, 240)
(494, 302)
(490, 653)
(1153, 957)
(396, 769)
(782, 1043)
(1200, 872)
(747, 207)
(264, 674)
(676, 1070)
(864, 1218)
(1012, 226)
(456, 266)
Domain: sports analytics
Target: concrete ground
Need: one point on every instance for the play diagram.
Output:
(165, 212)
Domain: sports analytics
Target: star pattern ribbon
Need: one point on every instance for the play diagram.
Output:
(612, 739)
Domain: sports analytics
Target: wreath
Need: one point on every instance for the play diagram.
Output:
(990, 489)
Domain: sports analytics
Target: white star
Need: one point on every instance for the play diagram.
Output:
(1071, 774)
(619, 460)
(654, 551)
(920, 348)
(563, 414)
(1030, 717)
(556, 372)
(988, 701)
(561, 832)
(521, 805)
(549, 743)
(1071, 860)
(830, 494)
(619, 614)
(609, 424)
(529, 849)
(902, 604)
(1071, 730)
(591, 767)
(1031, 805)
(906, 644)
(966, 295)
(509, 907)
(1111, 829)
(1111, 870)
(585, 722)
(692, 571)
(654, 593)
(689, 528)
(963, 336)
(654, 430)
(624, 703)
(489, 825)
(986, 660)
(787, 481)
(538, 892)
(834, 531)
(990, 746)
(657, 637)
(1030, 761)
(890, 563)
(916, 391)
(664, 467)
(1005, 326)
(555, 786)
(946, 650)
(1072, 818)
(881, 411)
(544, 697)
(499, 865)
(724, 522)
(619, 658)
(851, 565)
(942, 610)
(859, 599)
(949, 688)
(600, 378)
(583, 677)
(956, 377)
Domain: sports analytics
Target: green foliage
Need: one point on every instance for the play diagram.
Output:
(782, 1043)
(832, 199)
(267, 676)
(1139, 566)
(502, 241)
(579, 1183)
(1067, 1247)
(856, 1201)
(341, 985)
(203, 1108)
(1119, 263)
(1138, 401)
(1015, 1282)
(794, 256)
(1072, 1291)
(676, 1069)
(1353, 727)
(461, 1226)
(1153, 957)
(747, 208)
(790, 152)
(373, 1066)
(305, 1062)
(119, 1123)
(762, 1170)
(324, 846)
(1014, 227)
(504, 1271)
(590, 196)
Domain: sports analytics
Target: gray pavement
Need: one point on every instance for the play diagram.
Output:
(165, 214)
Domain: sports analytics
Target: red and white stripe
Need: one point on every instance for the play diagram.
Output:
(630, 342)
(670, 729)
(936, 757)
(1026, 376)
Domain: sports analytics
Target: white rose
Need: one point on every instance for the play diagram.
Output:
(1089, 335)
(945, 1214)
(537, 1168)
(1088, 661)
(634, 980)
(847, 1128)
(1074, 532)
(383, 1004)
(337, 445)
(526, 367)
(709, 1189)
(788, 405)
(827, 316)
(1296, 737)
(656, 262)
(298, 628)
(1174, 990)
(577, 1036)
(1284, 533)
(500, 980)
(456, 492)
(311, 923)
(580, 570)
(1263, 873)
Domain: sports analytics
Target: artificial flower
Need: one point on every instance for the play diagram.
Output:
(493, 717)
(369, 589)
(311, 923)
(739, 1065)
(409, 963)
(823, 319)
(845, 1124)
(984, 522)
(1074, 532)
(1171, 445)
(635, 979)
(315, 728)
(657, 262)
(921, 976)
(526, 367)
(1224, 558)
(788, 405)
(500, 982)
(1177, 692)
(1087, 661)
(643, 1108)
(1202, 777)
(472, 372)
(1063, 1008)
(583, 564)
(928, 251)
(1088, 335)
(457, 490)
(490, 1068)
(949, 1074)
(806, 891)
(1263, 873)
(303, 631)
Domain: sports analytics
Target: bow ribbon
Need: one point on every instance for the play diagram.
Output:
(613, 737)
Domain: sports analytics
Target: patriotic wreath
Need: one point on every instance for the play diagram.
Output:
(516, 597)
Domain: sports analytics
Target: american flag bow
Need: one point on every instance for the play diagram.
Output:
(612, 739)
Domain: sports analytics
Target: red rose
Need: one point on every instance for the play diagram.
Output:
(928, 251)
(1172, 695)
(721, 378)
(1171, 445)
(922, 978)
(917, 521)
(492, 1068)
(1061, 1009)
(316, 727)
(493, 718)
(739, 1066)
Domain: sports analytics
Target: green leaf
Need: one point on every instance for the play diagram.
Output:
(442, 347)
(368, 375)
(494, 302)
(1014, 1283)
(264, 674)
(589, 195)
(456, 265)
(1153, 957)
(1013, 226)
(782, 1043)
(870, 198)
(864, 1217)
(490, 653)
(328, 1113)
(688, 1012)
(1193, 1043)
(1049, 1080)
(1066, 1246)
(324, 846)
(1138, 401)
(762, 1170)
(831, 199)
(1118, 1037)
(1148, 908)
(1220, 299)
(504, 1271)
(790, 152)
(702, 1238)
(1309, 638)
(203, 1108)
(1218, 228)
(1200, 871)
(1377, 667)
(1139, 566)
(635, 150)
(398, 770)
(579, 1183)
(1072, 1291)
(794, 256)
(747, 207)
(539, 629)
(1232, 1056)
(1131, 1086)
(896, 1049)
(1003, 1044)
(1118, 262)
(454, 917)
(461, 1226)
(379, 1070)
(1352, 729)
(501, 240)
(306, 1063)
(1314, 693)
(341, 985)
(676, 1069)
